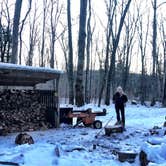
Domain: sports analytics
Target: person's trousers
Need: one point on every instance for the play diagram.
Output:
(120, 110)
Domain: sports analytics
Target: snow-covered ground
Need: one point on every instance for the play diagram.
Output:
(76, 145)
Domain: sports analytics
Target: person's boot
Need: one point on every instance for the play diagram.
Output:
(118, 123)
(123, 125)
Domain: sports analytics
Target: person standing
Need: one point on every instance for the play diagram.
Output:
(120, 99)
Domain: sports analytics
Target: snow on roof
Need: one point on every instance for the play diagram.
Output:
(18, 75)
(30, 68)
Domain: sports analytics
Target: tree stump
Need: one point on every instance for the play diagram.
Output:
(164, 124)
(143, 158)
(113, 129)
(24, 138)
(134, 102)
(126, 156)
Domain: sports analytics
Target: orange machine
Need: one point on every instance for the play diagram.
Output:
(87, 118)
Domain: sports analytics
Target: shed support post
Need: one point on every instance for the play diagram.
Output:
(57, 114)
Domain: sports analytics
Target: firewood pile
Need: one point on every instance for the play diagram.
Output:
(20, 110)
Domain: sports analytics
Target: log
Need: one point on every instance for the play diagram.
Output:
(113, 129)
(57, 151)
(126, 156)
(8, 163)
(165, 122)
(76, 149)
(24, 138)
(134, 102)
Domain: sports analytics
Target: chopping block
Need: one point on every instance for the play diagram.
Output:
(126, 156)
(113, 129)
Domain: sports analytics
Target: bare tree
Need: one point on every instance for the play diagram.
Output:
(142, 38)
(45, 8)
(111, 7)
(33, 36)
(3, 42)
(56, 10)
(89, 42)
(154, 52)
(130, 29)
(70, 55)
(154, 42)
(163, 34)
(79, 88)
(101, 57)
(164, 46)
(115, 43)
(22, 27)
(17, 12)
(9, 37)
(64, 46)
(5, 32)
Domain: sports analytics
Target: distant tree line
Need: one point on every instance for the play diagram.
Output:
(5, 43)
(133, 88)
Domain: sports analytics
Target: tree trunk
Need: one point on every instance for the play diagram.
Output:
(111, 73)
(143, 81)
(154, 43)
(79, 88)
(126, 61)
(126, 71)
(4, 41)
(15, 33)
(30, 55)
(43, 33)
(143, 45)
(32, 37)
(52, 48)
(21, 29)
(70, 56)
(154, 53)
(89, 39)
(104, 79)
(9, 45)
(108, 36)
(164, 95)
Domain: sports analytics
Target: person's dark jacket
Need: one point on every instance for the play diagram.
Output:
(119, 100)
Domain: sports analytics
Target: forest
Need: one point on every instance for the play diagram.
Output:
(98, 44)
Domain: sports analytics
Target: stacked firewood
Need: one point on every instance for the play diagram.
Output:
(21, 110)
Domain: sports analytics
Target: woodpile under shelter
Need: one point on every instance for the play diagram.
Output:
(28, 98)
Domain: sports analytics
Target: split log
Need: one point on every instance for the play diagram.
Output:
(57, 151)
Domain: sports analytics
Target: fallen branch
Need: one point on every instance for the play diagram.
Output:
(77, 148)
(8, 163)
